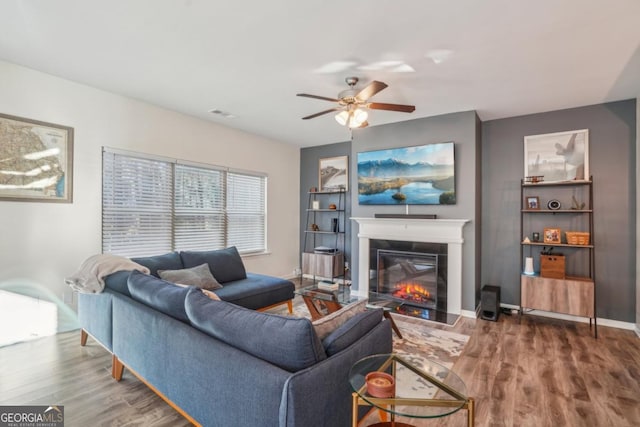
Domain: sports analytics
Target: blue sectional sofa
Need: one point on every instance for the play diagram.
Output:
(219, 363)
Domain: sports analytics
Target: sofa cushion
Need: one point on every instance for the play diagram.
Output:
(329, 323)
(287, 342)
(170, 261)
(351, 331)
(199, 276)
(159, 294)
(225, 264)
(257, 291)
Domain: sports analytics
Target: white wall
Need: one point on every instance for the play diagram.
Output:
(41, 243)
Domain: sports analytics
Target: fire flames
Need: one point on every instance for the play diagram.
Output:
(411, 291)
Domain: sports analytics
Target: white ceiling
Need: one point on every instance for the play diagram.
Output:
(250, 58)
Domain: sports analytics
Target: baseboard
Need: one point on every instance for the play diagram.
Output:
(638, 330)
(468, 313)
(601, 321)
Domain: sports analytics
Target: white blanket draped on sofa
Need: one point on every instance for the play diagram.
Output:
(89, 279)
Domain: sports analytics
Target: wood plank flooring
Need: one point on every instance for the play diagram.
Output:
(542, 372)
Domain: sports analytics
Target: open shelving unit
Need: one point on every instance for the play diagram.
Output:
(330, 231)
(574, 294)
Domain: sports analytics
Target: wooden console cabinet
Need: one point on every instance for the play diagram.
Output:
(323, 265)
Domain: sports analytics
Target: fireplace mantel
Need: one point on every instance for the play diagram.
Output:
(447, 231)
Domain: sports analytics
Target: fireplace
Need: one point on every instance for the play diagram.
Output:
(440, 238)
(410, 276)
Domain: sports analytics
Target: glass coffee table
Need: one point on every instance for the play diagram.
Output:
(423, 389)
(321, 302)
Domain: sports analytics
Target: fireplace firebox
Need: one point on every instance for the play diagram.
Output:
(411, 277)
(408, 277)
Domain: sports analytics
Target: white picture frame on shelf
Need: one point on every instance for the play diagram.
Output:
(558, 157)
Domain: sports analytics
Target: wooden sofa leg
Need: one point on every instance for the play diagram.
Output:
(117, 368)
(290, 306)
(83, 337)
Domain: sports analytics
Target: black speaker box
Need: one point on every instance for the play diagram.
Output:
(490, 302)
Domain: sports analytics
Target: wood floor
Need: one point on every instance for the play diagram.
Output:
(541, 372)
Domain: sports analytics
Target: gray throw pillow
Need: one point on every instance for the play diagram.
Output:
(329, 323)
(199, 276)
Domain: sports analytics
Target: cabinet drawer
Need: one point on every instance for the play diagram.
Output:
(570, 296)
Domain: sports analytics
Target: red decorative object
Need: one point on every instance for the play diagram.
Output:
(380, 384)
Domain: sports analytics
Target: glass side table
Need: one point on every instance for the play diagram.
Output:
(423, 389)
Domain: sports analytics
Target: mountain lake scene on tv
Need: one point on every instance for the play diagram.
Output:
(421, 175)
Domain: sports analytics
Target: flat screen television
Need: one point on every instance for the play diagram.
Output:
(418, 175)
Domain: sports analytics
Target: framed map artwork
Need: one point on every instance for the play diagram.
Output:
(36, 160)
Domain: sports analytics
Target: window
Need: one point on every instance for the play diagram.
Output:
(152, 206)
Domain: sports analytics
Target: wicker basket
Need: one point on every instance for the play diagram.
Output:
(577, 238)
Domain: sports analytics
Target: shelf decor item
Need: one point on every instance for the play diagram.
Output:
(315, 205)
(552, 235)
(558, 157)
(552, 266)
(533, 202)
(554, 205)
(528, 266)
(578, 237)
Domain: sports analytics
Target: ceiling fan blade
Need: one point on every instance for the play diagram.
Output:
(320, 113)
(373, 88)
(391, 107)
(317, 97)
(363, 125)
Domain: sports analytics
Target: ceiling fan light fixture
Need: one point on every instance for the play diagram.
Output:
(358, 117)
(342, 117)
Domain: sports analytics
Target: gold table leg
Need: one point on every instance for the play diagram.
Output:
(471, 412)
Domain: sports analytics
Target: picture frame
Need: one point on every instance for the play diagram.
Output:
(532, 203)
(557, 157)
(333, 174)
(37, 161)
(552, 235)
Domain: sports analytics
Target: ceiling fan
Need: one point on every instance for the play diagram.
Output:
(352, 104)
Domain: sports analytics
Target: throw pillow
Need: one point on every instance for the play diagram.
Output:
(327, 324)
(225, 264)
(199, 276)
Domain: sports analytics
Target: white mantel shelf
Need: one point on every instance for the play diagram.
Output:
(447, 231)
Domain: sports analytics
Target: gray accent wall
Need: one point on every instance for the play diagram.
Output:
(612, 154)
(462, 129)
(309, 177)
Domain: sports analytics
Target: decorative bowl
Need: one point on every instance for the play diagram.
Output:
(380, 384)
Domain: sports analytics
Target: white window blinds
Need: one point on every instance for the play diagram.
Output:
(199, 208)
(137, 203)
(246, 211)
(153, 206)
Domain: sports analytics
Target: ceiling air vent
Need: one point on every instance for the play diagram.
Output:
(223, 114)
